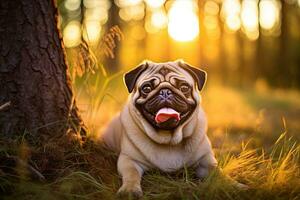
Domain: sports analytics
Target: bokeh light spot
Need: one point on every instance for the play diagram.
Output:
(155, 3)
(268, 14)
(183, 21)
(72, 34)
(92, 30)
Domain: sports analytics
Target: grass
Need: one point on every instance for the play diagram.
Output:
(255, 134)
(89, 172)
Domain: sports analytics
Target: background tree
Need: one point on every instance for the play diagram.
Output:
(35, 90)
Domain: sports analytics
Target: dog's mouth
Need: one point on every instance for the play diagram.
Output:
(165, 114)
(166, 118)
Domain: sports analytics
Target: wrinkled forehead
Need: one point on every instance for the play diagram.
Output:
(164, 72)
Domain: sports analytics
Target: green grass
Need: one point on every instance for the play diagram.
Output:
(89, 172)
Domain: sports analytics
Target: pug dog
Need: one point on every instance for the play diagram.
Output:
(162, 125)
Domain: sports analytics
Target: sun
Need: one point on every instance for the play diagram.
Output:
(183, 23)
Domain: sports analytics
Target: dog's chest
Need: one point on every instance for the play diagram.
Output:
(170, 159)
(165, 158)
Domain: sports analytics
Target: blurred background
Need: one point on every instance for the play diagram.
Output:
(250, 49)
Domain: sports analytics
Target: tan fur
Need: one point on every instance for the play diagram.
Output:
(141, 148)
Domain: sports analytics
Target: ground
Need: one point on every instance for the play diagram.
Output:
(254, 132)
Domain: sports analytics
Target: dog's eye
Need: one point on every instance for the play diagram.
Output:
(184, 88)
(146, 89)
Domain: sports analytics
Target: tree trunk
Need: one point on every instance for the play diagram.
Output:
(34, 76)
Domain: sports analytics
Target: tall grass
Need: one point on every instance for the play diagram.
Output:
(272, 174)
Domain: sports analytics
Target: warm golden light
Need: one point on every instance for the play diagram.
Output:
(135, 12)
(155, 3)
(249, 17)
(249, 14)
(233, 22)
(96, 14)
(183, 20)
(72, 5)
(124, 15)
(138, 32)
(231, 15)
(124, 3)
(230, 7)
(268, 14)
(92, 30)
(150, 28)
(72, 34)
(211, 8)
(105, 4)
(211, 22)
(159, 19)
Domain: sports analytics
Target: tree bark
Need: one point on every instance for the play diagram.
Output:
(33, 72)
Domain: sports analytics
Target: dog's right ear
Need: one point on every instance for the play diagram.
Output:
(132, 76)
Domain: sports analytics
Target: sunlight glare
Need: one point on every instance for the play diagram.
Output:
(72, 34)
(125, 3)
(92, 30)
(72, 5)
(159, 19)
(97, 14)
(230, 7)
(135, 12)
(105, 4)
(231, 15)
(155, 3)
(233, 22)
(124, 15)
(183, 21)
(249, 17)
(211, 7)
(269, 14)
(249, 14)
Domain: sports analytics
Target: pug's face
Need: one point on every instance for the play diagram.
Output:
(165, 93)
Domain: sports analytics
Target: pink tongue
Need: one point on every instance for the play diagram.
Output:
(165, 114)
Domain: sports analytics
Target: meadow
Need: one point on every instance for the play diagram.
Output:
(254, 132)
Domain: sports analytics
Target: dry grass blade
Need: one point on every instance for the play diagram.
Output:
(86, 58)
(109, 42)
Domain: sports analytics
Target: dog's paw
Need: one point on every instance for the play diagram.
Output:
(202, 173)
(130, 192)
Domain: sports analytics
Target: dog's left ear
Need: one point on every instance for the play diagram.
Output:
(198, 74)
(132, 76)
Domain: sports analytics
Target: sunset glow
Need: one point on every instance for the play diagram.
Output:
(159, 19)
(269, 14)
(249, 18)
(231, 15)
(155, 3)
(183, 21)
(72, 34)
(92, 30)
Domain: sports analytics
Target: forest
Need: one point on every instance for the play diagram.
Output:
(62, 66)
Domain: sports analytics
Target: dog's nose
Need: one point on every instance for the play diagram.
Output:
(165, 93)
